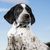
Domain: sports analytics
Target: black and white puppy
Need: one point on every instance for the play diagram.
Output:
(20, 13)
(20, 36)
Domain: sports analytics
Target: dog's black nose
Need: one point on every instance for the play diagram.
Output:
(26, 16)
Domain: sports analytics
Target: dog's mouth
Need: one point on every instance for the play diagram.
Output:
(23, 24)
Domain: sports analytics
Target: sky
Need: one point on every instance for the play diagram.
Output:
(41, 27)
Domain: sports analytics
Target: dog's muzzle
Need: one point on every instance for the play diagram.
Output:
(24, 20)
(26, 17)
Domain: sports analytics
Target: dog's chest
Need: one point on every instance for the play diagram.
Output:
(24, 36)
(24, 33)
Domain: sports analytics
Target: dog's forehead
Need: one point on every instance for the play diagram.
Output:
(23, 5)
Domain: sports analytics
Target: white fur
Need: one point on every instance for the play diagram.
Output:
(27, 34)
(23, 5)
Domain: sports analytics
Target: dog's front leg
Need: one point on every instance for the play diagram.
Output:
(10, 43)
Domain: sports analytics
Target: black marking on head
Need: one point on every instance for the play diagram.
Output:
(13, 13)
(31, 14)
(18, 10)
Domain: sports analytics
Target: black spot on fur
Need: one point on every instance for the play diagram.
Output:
(48, 44)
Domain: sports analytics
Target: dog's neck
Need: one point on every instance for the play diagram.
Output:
(20, 25)
(16, 27)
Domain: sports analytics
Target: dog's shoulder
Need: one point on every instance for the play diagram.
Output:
(12, 31)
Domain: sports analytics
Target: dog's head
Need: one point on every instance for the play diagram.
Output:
(20, 13)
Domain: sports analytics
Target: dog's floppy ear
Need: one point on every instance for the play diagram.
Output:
(32, 18)
(9, 16)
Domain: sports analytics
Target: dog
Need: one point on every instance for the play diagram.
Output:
(20, 36)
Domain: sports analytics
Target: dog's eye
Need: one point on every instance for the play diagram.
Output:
(19, 10)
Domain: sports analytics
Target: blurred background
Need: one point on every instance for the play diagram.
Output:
(41, 11)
